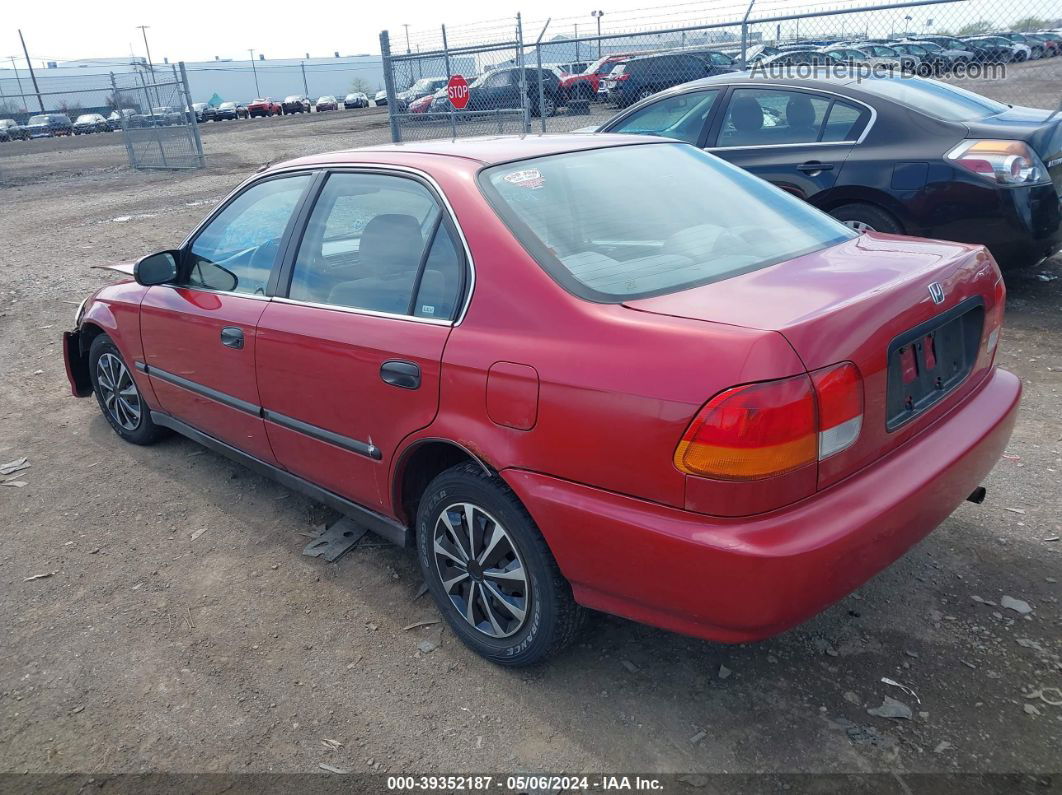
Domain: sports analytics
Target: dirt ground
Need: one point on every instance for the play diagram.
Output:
(181, 629)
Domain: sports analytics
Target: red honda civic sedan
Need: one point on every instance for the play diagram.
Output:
(574, 372)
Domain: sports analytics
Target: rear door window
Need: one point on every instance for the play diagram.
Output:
(758, 117)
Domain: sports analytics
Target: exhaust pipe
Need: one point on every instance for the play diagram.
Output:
(977, 496)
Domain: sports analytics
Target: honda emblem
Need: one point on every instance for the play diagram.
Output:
(936, 292)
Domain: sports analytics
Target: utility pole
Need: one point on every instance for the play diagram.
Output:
(576, 42)
(597, 15)
(408, 50)
(151, 66)
(33, 75)
(305, 85)
(257, 91)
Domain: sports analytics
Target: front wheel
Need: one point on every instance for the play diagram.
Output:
(118, 395)
(490, 571)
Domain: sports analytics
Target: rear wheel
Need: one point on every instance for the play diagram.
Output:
(547, 109)
(866, 218)
(118, 395)
(490, 572)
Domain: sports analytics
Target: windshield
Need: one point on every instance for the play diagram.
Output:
(228, 105)
(86, 118)
(293, 98)
(38, 120)
(940, 100)
(633, 221)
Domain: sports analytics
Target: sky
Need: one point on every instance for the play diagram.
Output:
(200, 29)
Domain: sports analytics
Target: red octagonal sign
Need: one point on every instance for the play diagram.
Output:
(457, 91)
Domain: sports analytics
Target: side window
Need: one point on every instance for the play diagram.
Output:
(844, 122)
(682, 116)
(375, 242)
(756, 117)
(236, 251)
(442, 282)
(499, 80)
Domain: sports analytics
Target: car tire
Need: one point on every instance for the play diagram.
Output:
(867, 218)
(544, 617)
(108, 370)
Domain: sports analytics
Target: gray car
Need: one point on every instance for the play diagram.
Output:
(10, 130)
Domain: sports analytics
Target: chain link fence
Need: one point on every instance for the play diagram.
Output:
(150, 109)
(552, 79)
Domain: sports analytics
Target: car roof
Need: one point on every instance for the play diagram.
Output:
(828, 81)
(483, 150)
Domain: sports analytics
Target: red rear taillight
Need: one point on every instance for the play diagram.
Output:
(840, 393)
(762, 430)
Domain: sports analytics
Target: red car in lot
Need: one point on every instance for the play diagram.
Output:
(701, 404)
(264, 107)
(586, 84)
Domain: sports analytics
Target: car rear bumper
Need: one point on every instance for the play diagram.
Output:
(741, 580)
(1020, 226)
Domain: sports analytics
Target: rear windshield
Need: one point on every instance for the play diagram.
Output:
(940, 100)
(635, 221)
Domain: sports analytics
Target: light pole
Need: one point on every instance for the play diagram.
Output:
(151, 66)
(907, 24)
(29, 65)
(597, 15)
(406, 26)
(257, 91)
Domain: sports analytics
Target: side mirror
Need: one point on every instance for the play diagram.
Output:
(158, 268)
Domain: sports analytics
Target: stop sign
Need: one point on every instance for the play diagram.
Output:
(457, 91)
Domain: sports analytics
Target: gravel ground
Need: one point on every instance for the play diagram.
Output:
(179, 628)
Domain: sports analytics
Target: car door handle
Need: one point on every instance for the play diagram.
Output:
(396, 372)
(232, 337)
(814, 167)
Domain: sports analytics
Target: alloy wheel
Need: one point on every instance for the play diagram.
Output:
(481, 571)
(859, 226)
(118, 392)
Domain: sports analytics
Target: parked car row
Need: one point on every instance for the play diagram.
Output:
(50, 125)
(923, 53)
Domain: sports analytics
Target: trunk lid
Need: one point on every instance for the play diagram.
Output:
(855, 302)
